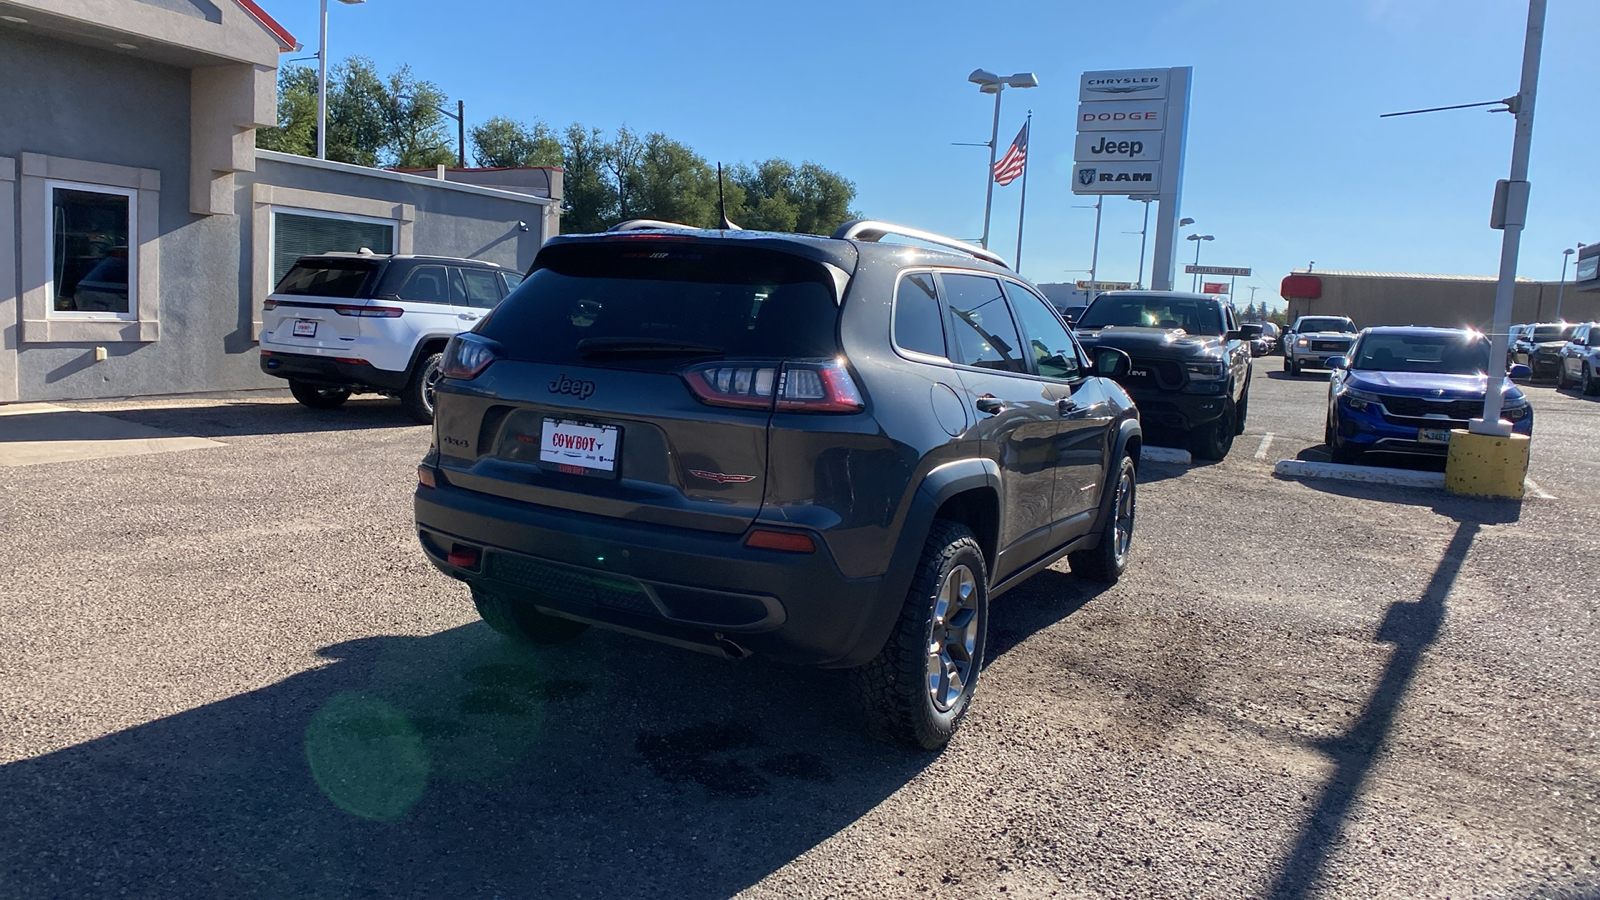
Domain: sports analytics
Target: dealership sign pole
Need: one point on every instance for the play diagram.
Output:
(1131, 130)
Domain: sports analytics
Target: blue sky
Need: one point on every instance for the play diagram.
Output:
(1287, 161)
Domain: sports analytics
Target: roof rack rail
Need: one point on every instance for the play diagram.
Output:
(872, 230)
(650, 225)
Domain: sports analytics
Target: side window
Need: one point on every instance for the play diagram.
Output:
(458, 288)
(981, 329)
(1054, 353)
(917, 321)
(482, 292)
(425, 284)
(1227, 316)
(511, 279)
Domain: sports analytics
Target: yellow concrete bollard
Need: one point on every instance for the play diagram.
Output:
(1486, 465)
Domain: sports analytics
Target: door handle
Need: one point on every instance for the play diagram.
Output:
(469, 318)
(990, 404)
(1066, 405)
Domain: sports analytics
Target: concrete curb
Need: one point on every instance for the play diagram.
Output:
(1166, 455)
(1299, 468)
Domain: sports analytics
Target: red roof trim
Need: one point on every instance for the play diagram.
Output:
(285, 39)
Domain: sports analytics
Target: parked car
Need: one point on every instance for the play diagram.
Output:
(1191, 361)
(830, 451)
(343, 323)
(1313, 340)
(1580, 360)
(1544, 346)
(1267, 343)
(1403, 389)
(1517, 347)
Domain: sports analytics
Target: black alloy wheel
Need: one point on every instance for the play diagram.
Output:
(1107, 561)
(418, 397)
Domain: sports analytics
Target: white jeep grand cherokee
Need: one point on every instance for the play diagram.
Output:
(343, 323)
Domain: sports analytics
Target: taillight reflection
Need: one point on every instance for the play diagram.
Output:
(466, 356)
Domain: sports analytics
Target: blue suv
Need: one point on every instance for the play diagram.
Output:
(1403, 389)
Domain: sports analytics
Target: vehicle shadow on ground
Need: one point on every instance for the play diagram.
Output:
(458, 764)
(1409, 461)
(246, 418)
(1309, 375)
(1043, 600)
(1411, 626)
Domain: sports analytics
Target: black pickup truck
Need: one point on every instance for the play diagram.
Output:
(1191, 361)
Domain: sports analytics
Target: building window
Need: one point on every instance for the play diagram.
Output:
(92, 251)
(300, 233)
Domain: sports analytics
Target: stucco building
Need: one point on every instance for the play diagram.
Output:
(1395, 298)
(141, 229)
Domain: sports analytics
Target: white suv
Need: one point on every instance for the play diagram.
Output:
(343, 323)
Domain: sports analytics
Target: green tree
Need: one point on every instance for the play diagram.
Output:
(414, 134)
(590, 197)
(296, 131)
(780, 196)
(508, 142)
(357, 99)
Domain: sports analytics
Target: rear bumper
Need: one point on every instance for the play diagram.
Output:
(326, 371)
(683, 587)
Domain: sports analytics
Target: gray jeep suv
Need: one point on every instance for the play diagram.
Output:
(832, 451)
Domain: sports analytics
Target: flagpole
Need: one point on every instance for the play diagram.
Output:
(1022, 209)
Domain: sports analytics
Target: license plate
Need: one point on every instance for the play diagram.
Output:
(1433, 435)
(305, 328)
(579, 447)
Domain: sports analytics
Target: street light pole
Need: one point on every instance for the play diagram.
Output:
(994, 140)
(1094, 254)
(1516, 214)
(1562, 289)
(990, 83)
(1194, 284)
(322, 81)
(1143, 232)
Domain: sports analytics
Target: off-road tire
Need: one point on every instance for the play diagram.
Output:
(1106, 562)
(1327, 433)
(521, 622)
(893, 685)
(315, 397)
(1561, 377)
(1287, 366)
(1242, 410)
(1213, 440)
(417, 398)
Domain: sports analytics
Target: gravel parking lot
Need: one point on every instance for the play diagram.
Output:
(230, 672)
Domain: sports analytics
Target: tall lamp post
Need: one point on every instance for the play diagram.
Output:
(990, 83)
(1143, 230)
(1194, 285)
(1565, 255)
(322, 81)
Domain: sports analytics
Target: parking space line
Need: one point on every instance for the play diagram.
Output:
(1534, 489)
(1266, 442)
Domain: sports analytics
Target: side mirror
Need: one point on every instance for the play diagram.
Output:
(1071, 316)
(1338, 362)
(1520, 371)
(1249, 332)
(1109, 362)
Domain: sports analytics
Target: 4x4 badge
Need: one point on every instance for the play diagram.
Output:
(721, 477)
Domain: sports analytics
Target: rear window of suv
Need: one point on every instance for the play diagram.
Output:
(342, 278)
(651, 304)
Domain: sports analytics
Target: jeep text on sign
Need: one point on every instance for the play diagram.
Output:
(1116, 177)
(1114, 146)
(1127, 84)
(1122, 115)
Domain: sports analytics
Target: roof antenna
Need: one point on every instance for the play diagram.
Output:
(722, 206)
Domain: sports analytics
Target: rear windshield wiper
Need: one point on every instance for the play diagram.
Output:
(616, 346)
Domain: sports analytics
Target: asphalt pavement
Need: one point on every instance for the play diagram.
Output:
(230, 672)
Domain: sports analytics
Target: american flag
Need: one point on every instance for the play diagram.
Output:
(1011, 165)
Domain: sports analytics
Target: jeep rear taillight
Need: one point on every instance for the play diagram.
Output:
(823, 386)
(466, 356)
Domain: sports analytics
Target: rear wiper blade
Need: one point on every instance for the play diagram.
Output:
(644, 347)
